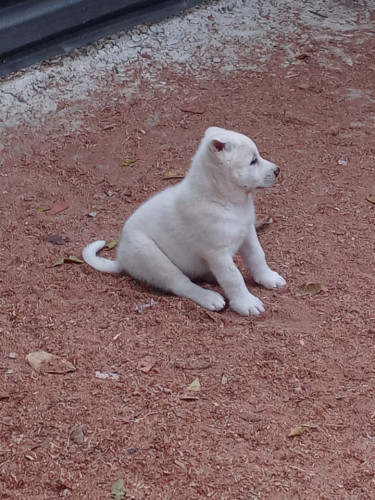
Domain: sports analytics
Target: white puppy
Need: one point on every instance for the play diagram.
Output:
(193, 229)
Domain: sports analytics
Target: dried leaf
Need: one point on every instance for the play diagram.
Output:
(70, 259)
(59, 262)
(263, 222)
(340, 396)
(224, 379)
(4, 395)
(189, 396)
(127, 162)
(192, 110)
(43, 209)
(310, 289)
(370, 198)
(250, 417)
(132, 451)
(107, 375)
(301, 429)
(92, 214)
(76, 434)
(299, 55)
(191, 391)
(73, 259)
(58, 207)
(12, 355)
(113, 244)
(45, 362)
(56, 239)
(173, 174)
(146, 364)
(118, 490)
(193, 363)
(194, 386)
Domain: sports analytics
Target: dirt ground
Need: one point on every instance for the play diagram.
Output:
(305, 366)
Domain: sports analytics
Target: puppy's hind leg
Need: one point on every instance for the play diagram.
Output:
(144, 260)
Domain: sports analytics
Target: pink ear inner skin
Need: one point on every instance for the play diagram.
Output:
(218, 145)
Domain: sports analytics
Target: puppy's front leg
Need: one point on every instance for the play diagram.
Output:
(233, 284)
(254, 257)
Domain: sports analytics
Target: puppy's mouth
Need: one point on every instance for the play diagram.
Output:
(267, 184)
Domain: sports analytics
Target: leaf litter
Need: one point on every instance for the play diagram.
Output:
(56, 239)
(58, 207)
(77, 435)
(310, 289)
(263, 222)
(146, 364)
(107, 375)
(45, 362)
(191, 391)
(301, 429)
(66, 260)
(118, 490)
(193, 363)
(113, 244)
(126, 162)
(173, 174)
(192, 110)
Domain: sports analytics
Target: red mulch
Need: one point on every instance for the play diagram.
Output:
(304, 361)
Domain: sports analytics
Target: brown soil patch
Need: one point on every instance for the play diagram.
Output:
(304, 361)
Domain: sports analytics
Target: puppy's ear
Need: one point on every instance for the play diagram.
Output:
(217, 145)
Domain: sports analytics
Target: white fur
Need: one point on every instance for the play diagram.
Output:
(194, 229)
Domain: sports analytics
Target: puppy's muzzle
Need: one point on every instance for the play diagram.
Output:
(276, 171)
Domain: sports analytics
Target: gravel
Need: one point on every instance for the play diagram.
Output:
(224, 35)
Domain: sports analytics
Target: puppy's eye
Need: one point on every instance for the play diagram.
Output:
(254, 161)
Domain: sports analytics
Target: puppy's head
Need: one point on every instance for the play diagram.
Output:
(238, 158)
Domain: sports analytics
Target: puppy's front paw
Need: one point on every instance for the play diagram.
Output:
(270, 279)
(210, 300)
(247, 305)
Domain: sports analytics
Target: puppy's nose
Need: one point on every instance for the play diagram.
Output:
(277, 171)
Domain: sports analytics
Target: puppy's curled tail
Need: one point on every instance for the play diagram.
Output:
(99, 263)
